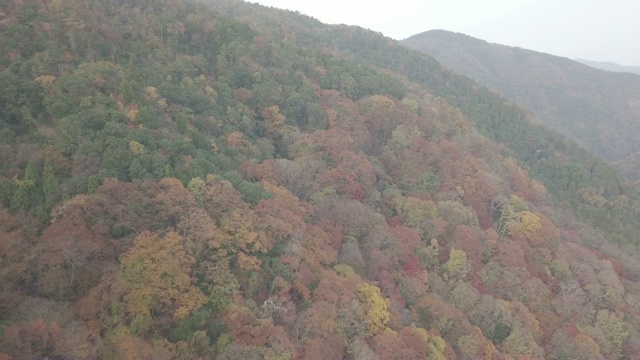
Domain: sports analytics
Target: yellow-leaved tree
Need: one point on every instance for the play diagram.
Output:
(374, 311)
(456, 268)
(417, 214)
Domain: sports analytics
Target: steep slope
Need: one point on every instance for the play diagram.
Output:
(599, 109)
(194, 180)
(567, 170)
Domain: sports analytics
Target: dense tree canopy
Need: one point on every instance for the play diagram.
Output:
(193, 180)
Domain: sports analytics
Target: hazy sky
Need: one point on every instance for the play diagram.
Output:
(590, 29)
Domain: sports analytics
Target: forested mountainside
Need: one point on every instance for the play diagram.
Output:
(599, 109)
(610, 66)
(196, 180)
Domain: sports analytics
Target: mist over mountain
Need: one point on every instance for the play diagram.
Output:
(220, 180)
(599, 109)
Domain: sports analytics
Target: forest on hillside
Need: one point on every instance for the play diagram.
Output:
(184, 179)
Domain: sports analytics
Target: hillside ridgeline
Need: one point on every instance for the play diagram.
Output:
(599, 109)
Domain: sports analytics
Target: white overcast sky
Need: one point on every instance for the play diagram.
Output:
(589, 29)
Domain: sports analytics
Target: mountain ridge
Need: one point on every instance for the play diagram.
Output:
(610, 66)
(588, 105)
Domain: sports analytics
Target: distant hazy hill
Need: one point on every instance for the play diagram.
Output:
(610, 66)
(599, 109)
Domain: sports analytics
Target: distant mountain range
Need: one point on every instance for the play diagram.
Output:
(610, 66)
(599, 109)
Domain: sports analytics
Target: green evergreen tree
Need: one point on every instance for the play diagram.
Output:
(27, 190)
(49, 186)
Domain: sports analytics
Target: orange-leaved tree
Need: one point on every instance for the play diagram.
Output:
(155, 281)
